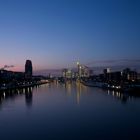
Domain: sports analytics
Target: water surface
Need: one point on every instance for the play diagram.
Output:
(69, 111)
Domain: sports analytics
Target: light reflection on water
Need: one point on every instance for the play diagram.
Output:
(68, 111)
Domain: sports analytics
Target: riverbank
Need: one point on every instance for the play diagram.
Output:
(23, 85)
(129, 88)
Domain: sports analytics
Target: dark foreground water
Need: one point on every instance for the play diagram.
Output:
(68, 112)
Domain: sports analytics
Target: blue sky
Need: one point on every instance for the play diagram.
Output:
(57, 33)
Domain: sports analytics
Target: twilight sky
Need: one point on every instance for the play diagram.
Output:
(57, 33)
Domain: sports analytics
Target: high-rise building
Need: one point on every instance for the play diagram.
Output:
(107, 70)
(28, 69)
(67, 74)
(129, 74)
(78, 70)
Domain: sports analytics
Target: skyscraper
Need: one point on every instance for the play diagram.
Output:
(28, 69)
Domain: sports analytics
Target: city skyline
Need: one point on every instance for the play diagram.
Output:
(55, 34)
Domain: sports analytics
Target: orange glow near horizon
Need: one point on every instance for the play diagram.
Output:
(20, 68)
(15, 68)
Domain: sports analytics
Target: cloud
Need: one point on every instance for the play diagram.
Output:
(7, 67)
(115, 62)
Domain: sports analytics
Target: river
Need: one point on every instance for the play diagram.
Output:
(68, 111)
